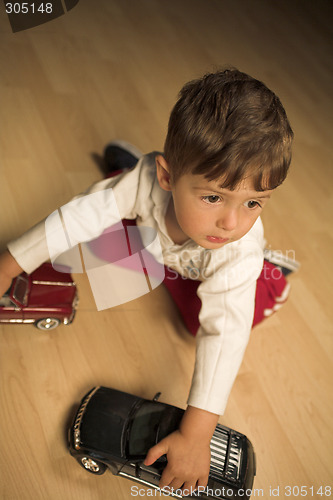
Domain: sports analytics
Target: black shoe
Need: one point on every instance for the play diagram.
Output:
(286, 264)
(120, 155)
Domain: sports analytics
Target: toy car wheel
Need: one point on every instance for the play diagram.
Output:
(92, 465)
(47, 323)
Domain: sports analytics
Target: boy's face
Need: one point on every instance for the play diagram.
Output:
(206, 213)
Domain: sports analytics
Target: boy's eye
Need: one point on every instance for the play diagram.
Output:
(252, 204)
(213, 198)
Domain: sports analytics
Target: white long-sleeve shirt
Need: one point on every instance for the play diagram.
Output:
(228, 275)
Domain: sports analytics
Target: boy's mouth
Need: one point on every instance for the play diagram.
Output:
(215, 239)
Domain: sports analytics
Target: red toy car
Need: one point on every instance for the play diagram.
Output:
(45, 298)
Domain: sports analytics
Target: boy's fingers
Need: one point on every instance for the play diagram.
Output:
(189, 487)
(155, 452)
(202, 485)
(169, 480)
(203, 481)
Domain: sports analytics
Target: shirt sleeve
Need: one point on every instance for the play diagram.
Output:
(84, 218)
(228, 297)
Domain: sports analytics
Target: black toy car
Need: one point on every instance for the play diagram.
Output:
(115, 430)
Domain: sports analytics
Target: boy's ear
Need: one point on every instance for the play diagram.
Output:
(163, 175)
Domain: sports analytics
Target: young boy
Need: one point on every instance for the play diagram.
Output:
(228, 147)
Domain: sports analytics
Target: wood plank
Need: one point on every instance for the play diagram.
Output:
(113, 70)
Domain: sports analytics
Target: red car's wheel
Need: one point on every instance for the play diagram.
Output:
(47, 323)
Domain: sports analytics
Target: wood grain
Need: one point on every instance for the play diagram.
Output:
(112, 69)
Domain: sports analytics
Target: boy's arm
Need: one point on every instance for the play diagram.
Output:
(187, 450)
(9, 269)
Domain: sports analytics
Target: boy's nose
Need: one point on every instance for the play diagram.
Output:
(228, 219)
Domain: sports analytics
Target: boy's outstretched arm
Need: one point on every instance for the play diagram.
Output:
(9, 269)
(187, 450)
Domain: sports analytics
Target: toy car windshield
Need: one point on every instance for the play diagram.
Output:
(144, 429)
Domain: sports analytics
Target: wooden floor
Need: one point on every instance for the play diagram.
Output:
(112, 69)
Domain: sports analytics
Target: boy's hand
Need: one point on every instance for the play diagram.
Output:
(187, 450)
(188, 462)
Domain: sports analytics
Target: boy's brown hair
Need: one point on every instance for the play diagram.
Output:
(229, 126)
